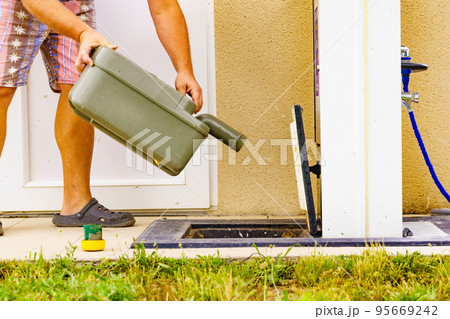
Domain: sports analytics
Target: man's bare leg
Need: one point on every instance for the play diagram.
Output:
(6, 95)
(75, 139)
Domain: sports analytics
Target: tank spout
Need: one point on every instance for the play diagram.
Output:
(222, 131)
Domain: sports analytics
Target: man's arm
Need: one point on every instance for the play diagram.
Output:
(172, 32)
(54, 14)
(170, 25)
(59, 18)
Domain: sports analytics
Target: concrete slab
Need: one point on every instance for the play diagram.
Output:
(25, 237)
(8, 223)
(425, 229)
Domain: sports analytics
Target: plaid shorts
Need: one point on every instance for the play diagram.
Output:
(21, 35)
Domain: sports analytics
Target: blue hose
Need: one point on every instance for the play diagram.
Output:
(426, 157)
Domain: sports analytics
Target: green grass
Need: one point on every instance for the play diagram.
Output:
(375, 275)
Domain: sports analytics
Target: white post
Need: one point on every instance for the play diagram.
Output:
(360, 118)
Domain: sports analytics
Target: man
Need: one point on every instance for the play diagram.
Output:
(23, 30)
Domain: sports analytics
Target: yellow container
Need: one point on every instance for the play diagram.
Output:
(93, 245)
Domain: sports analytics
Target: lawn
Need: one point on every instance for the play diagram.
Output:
(374, 275)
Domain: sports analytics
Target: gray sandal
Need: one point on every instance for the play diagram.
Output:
(95, 213)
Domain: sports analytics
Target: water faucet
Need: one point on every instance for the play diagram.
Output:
(407, 69)
(408, 99)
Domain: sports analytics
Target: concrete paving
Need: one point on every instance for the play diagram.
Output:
(25, 238)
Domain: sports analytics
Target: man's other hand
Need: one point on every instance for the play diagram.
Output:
(90, 39)
(186, 83)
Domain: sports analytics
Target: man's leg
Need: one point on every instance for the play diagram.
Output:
(75, 139)
(74, 136)
(6, 95)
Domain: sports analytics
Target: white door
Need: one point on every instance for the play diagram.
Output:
(30, 168)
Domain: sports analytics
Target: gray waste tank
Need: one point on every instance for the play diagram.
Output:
(142, 112)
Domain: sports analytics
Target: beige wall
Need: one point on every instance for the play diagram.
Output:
(262, 47)
(426, 31)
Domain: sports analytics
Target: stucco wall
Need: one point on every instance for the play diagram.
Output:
(263, 64)
(426, 31)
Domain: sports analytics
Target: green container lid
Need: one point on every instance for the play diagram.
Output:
(92, 232)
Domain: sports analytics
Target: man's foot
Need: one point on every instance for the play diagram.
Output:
(95, 213)
(1, 229)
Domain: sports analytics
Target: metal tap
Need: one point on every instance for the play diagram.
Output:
(408, 99)
(407, 69)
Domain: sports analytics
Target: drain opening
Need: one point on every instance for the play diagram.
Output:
(245, 231)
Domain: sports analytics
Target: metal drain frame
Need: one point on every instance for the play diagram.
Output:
(168, 233)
